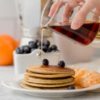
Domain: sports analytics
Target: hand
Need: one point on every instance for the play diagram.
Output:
(69, 5)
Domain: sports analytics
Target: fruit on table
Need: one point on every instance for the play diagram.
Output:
(54, 47)
(46, 43)
(26, 49)
(38, 43)
(61, 64)
(33, 45)
(19, 50)
(45, 48)
(85, 78)
(45, 62)
(7, 45)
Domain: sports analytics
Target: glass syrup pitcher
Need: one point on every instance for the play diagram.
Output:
(84, 35)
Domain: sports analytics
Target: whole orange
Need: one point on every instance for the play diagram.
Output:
(7, 46)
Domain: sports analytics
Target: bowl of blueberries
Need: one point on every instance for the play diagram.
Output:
(33, 53)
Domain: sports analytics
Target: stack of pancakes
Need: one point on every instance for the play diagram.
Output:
(48, 77)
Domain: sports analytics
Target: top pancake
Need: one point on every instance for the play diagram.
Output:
(50, 70)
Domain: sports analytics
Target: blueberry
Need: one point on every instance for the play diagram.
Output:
(45, 48)
(19, 50)
(46, 43)
(49, 49)
(61, 64)
(54, 48)
(38, 43)
(33, 45)
(72, 87)
(26, 49)
(45, 62)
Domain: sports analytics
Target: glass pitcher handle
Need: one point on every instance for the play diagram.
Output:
(44, 17)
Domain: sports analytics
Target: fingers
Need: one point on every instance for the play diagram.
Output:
(81, 15)
(73, 3)
(67, 13)
(55, 7)
(69, 7)
(96, 14)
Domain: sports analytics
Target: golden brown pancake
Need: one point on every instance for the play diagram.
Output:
(47, 85)
(48, 81)
(33, 88)
(50, 70)
(49, 76)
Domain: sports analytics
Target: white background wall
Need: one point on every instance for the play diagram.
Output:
(8, 17)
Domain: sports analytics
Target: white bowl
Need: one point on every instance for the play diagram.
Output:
(22, 61)
(72, 51)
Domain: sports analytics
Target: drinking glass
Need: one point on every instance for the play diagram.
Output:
(29, 12)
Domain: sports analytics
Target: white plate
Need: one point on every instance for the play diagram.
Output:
(14, 84)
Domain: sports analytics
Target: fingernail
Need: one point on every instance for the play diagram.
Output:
(75, 25)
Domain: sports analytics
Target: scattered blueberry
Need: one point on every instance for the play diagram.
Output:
(54, 48)
(45, 62)
(72, 87)
(49, 49)
(19, 50)
(33, 45)
(38, 43)
(46, 43)
(45, 48)
(26, 49)
(61, 64)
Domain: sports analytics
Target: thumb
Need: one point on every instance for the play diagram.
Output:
(81, 15)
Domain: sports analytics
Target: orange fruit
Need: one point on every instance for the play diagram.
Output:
(7, 46)
(10, 39)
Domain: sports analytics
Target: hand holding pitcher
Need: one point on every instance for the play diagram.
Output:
(86, 6)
